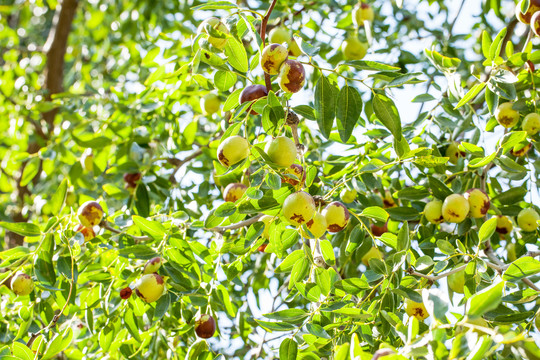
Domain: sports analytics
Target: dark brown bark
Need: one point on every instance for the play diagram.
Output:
(55, 48)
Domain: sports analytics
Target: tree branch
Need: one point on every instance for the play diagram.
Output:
(104, 224)
(179, 163)
(437, 277)
(241, 224)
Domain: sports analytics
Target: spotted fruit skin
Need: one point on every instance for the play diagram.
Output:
(521, 149)
(348, 195)
(527, 219)
(292, 76)
(388, 200)
(232, 150)
(373, 253)
(506, 115)
(378, 230)
(90, 214)
(251, 93)
(210, 103)
(234, 191)
(337, 216)
(362, 12)
(455, 208)
(216, 24)
(299, 208)
(273, 57)
(526, 18)
(531, 122)
(87, 232)
(504, 225)
(296, 170)
(282, 151)
(535, 23)
(353, 48)
(205, 326)
(316, 227)
(125, 293)
(150, 287)
(152, 265)
(433, 212)
(418, 310)
(453, 152)
(479, 203)
(22, 284)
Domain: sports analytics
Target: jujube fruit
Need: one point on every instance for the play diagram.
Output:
(205, 326)
(216, 24)
(478, 202)
(234, 191)
(521, 149)
(150, 287)
(232, 150)
(453, 152)
(87, 161)
(282, 151)
(279, 35)
(504, 225)
(152, 265)
(511, 252)
(87, 232)
(210, 103)
(362, 12)
(416, 309)
(90, 214)
(22, 284)
(506, 115)
(373, 253)
(455, 208)
(125, 293)
(433, 212)
(388, 200)
(251, 93)
(272, 58)
(527, 219)
(348, 195)
(531, 122)
(534, 6)
(535, 23)
(292, 76)
(316, 226)
(353, 48)
(378, 230)
(296, 170)
(299, 208)
(337, 216)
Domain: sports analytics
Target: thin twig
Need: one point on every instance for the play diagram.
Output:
(179, 163)
(107, 226)
(241, 224)
(437, 277)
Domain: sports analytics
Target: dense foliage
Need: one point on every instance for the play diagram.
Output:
(133, 110)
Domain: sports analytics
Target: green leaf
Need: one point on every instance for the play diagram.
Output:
(486, 44)
(371, 65)
(291, 315)
(521, 268)
(274, 181)
(349, 107)
(236, 54)
(439, 189)
(471, 94)
(436, 303)
(21, 351)
(497, 44)
(59, 198)
(387, 113)
(142, 200)
(322, 279)
(479, 162)
(224, 80)
(152, 228)
(376, 213)
(288, 350)
(288, 263)
(403, 240)
(30, 171)
(225, 210)
(352, 286)
(58, 344)
(275, 326)
(21, 228)
(325, 105)
(509, 197)
(131, 324)
(486, 300)
(487, 229)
